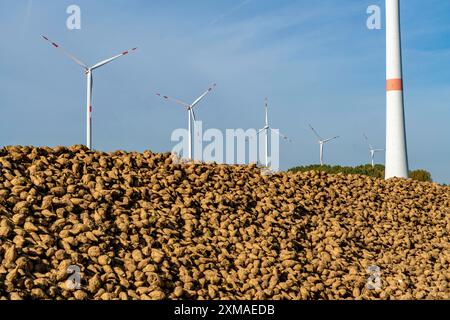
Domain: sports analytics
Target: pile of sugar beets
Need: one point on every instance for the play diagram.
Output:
(144, 226)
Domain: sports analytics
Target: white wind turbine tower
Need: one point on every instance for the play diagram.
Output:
(88, 72)
(266, 130)
(191, 113)
(396, 149)
(372, 150)
(321, 142)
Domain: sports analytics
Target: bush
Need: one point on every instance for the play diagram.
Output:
(377, 171)
(421, 175)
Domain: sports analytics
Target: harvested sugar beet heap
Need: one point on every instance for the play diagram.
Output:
(142, 227)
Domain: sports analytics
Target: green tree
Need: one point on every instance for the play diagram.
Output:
(421, 175)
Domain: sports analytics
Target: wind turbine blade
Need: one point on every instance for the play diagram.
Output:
(330, 139)
(68, 54)
(379, 150)
(174, 100)
(367, 139)
(260, 131)
(281, 135)
(203, 95)
(315, 132)
(193, 114)
(102, 63)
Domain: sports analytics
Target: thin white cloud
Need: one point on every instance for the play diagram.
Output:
(27, 18)
(230, 12)
(28, 12)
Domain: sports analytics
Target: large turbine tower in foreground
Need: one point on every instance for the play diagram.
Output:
(396, 151)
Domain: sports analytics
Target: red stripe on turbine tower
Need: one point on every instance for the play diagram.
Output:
(394, 85)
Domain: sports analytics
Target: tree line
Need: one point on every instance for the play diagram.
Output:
(377, 171)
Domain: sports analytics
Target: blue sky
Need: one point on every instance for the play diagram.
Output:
(315, 60)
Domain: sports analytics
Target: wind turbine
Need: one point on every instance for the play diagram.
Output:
(321, 142)
(396, 146)
(191, 113)
(372, 150)
(88, 72)
(266, 130)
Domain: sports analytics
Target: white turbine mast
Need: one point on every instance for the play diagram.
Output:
(191, 113)
(88, 72)
(266, 130)
(372, 151)
(396, 148)
(322, 143)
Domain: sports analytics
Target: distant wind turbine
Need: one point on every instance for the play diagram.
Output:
(88, 72)
(372, 150)
(321, 142)
(191, 113)
(266, 130)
